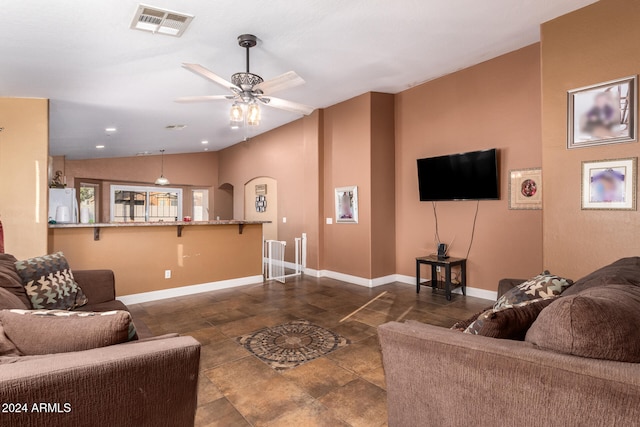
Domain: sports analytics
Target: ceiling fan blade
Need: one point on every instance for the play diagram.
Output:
(284, 81)
(204, 98)
(282, 104)
(210, 75)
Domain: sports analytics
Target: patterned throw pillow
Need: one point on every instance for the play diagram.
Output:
(509, 323)
(35, 332)
(49, 282)
(542, 286)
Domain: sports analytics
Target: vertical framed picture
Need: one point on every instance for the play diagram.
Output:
(609, 184)
(603, 114)
(525, 189)
(347, 205)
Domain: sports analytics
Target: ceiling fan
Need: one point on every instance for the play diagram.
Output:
(249, 90)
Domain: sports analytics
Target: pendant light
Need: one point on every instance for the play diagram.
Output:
(162, 180)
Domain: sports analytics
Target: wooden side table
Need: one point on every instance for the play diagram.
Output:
(447, 263)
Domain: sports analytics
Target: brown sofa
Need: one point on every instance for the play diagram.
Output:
(148, 382)
(441, 377)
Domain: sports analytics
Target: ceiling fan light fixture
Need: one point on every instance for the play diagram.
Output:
(161, 179)
(253, 115)
(236, 116)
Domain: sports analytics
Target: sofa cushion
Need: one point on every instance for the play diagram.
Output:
(511, 322)
(49, 282)
(10, 280)
(9, 300)
(542, 286)
(623, 271)
(600, 323)
(58, 331)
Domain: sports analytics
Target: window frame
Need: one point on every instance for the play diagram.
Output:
(142, 189)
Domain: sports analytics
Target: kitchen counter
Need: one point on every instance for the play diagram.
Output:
(179, 224)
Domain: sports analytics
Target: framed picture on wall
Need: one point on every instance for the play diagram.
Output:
(609, 184)
(525, 189)
(604, 113)
(347, 205)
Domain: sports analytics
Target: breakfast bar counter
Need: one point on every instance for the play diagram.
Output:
(158, 258)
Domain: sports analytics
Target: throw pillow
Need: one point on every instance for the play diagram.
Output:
(35, 332)
(10, 280)
(509, 323)
(49, 282)
(462, 325)
(600, 323)
(542, 286)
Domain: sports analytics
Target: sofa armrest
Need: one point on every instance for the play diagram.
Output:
(147, 383)
(436, 376)
(506, 284)
(98, 285)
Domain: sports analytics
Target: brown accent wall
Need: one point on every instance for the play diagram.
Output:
(186, 171)
(594, 44)
(383, 179)
(290, 155)
(495, 104)
(24, 149)
(140, 255)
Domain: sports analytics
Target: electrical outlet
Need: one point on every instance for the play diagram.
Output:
(329, 220)
(438, 268)
(167, 274)
(284, 219)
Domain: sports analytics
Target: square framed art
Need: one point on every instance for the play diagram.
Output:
(609, 184)
(525, 189)
(604, 113)
(347, 205)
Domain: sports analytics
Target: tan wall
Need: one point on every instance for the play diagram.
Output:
(140, 255)
(290, 155)
(269, 230)
(493, 104)
(24, 152)
(592, 45)
(347, 161)
(186, 171)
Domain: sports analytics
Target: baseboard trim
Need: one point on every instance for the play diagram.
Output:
(355, 280)
(471, 291)
(189, 290)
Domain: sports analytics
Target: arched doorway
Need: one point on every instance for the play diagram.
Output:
(261, 204)
(223, 202)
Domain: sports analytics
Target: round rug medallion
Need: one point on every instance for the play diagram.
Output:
(292, 344)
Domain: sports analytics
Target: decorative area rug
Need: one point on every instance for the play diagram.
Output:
(292, 344)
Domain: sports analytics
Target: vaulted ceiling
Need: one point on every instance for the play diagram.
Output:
(99, 73)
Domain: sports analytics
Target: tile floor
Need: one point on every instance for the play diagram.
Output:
(343, 388)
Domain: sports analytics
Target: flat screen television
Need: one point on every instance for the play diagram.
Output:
(465, 176)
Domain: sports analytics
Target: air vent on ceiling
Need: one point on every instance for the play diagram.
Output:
(160, 21)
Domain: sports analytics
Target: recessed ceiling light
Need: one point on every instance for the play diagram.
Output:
(175, 127)
(206, 149)
(111, 129)
(99, 146)
(205, 142)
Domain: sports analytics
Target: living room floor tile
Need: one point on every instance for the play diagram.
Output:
(219, 413)
(218, 353)
(319, 376)
(345, 387)
(359, 403)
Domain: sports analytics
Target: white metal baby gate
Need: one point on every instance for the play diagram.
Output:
(275, 266)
